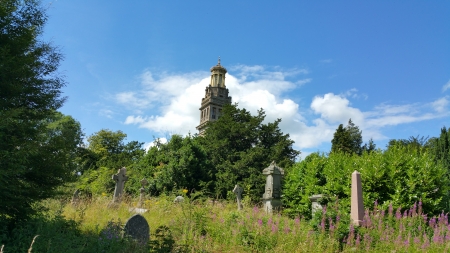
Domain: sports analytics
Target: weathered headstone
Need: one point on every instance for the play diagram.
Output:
(238, 192)
(137, 228)
(315, 203)
(120, 179)
(178, 199)
(144, 183)
(76, 197)
(357, 205)
(272, 194)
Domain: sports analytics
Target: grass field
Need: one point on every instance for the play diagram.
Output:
(206, 226)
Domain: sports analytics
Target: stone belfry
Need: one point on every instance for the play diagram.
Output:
(216, 95)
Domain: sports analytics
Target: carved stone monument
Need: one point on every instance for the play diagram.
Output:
(315, 203)
(238, 191)
(357, 205)
(137, 228)
(120, 179)
(272, 194)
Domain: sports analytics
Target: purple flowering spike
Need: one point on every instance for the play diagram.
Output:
(391, 209)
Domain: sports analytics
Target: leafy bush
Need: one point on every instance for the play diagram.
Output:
(397, 176)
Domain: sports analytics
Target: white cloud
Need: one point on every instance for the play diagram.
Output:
(446, 86)
(179, 110)
(440, 105)
(336, 109)
(106, 113)
(177, 99)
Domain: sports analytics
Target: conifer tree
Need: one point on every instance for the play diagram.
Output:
(36, 143)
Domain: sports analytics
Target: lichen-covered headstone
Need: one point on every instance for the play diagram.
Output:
(272, 194)
(178, 199)
(120, 178)
(137, 228)
(238, 191)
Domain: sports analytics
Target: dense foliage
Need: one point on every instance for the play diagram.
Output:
(37, 144)
(399, 176)
(240, 146)
(107, 148)
(235, 149)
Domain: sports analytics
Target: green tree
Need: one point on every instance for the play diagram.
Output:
(349, 140)
(240, 146)
(341, 141)
(355, 137)
(33, 151)
(107, 148)
(369, 147)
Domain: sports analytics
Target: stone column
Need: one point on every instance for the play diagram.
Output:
(357, 205)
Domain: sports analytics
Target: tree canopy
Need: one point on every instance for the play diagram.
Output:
(36, 143)
(107, 148)
(240, 146)
(349, 140)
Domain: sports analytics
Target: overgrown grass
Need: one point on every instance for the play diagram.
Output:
(205, 226)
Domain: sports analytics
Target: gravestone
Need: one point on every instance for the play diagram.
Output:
(76, 197)
(137, 228)
(272, 194)
(120, 178)
(357, 205)
(315, 203)
(144, 183)
(238, 191)
(178, 199)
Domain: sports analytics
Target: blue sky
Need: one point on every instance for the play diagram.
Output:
(142, 66)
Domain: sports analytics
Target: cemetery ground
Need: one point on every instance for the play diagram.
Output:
(202, 225)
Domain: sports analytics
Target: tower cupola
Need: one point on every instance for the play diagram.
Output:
(218, 75)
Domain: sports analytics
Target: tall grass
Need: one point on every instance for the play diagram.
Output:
(207, 226)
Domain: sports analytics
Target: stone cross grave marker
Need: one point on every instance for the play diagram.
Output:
(144, 183)
(238, 191)
(120, 179)
(137, 228)
(357, 205)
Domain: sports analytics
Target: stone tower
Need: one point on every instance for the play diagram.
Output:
(216, 95)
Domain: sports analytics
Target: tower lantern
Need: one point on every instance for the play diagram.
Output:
(218, 75)
(216, 96)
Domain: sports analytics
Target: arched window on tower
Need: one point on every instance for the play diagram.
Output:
(220, 80)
